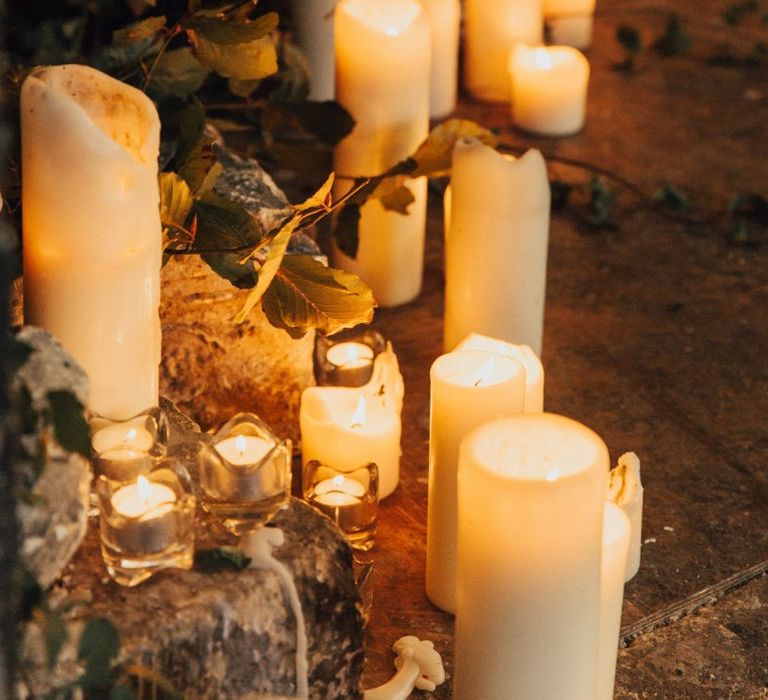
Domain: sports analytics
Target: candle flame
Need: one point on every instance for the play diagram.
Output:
(338, 481)
(485, 375)
(143, 487)
(130, 436)
(552, 474)
(358, 417)
(542, 59)
(240, 444)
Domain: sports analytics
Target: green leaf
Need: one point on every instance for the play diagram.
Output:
(99, 644)
(252, 60)
(220, 559)
(601, 204)
(673, 197)
(328, 122)
(629, 38)
(138, 31)
(69, 424)
(177, 73)
(229, 32)
(345, 232)
(435, 155)
(306, 294)
(736, 12)
(675, 40)
(394, 195)
(199, 166)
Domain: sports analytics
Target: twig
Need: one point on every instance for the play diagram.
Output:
(677, 611)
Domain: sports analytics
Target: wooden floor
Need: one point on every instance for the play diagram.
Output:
(656, 336)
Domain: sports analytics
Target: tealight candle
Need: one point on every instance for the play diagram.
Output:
(382, 80)
(349, 498)
(492, 28)
(89, 148)
(496, 246)
(549, 89)
(124, 436)
(534, 370)
(616, 529)
(531, 491)
(351, 364)
(243, 450)
(570, 22)
(148, 511)
(468, 388)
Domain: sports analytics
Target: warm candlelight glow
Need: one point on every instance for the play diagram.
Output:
(358, 417)
(350, 355)
(392, 18)
(244, 450)
(240, 445)
(143, 486)
(138, 499)
(542, 59)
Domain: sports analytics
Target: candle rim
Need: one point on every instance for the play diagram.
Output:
(389, 18)
(510, 366)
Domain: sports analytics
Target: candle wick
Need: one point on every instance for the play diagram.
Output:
(478, 382)
(356, 426)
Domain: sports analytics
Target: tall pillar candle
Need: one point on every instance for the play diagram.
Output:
(468, 388)
(569, 22)
(549, 89)
(492, 28)
(616, 529)
(313, 27)
(91, 227)
(444, 20)
(496, 246)
(531, 492)
(534, 370)
(382, 79)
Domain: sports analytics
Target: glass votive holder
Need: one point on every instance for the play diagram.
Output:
(145, 432)
(346, 358)
(245, 474)
(148, 524)
(349, 497)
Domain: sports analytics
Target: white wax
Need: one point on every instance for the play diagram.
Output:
(531, 491)
(91, 228)
(625, 489)
(332, 432)
(468, 388)
(313, 25)
(339, 484)
(382, 79)
(243, 450)
(534, 370)
(571, 30)
(496, 248)
(122, 435)
(444, 20)
(616, 530)
(140, 499)
(336, 498)
(350, 355)
(549, 89)
(122, 463)
(492, 28)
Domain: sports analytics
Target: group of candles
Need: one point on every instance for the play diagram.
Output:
(526, 544)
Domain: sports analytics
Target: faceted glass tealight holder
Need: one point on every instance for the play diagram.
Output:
(348, 496)
(146, 432)
(346, 358)
(148, 524)
(245, 474)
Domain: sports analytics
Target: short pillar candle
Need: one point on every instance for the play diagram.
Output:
(531, 491)
(549, 89)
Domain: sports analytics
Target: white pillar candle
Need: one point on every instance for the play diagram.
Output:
(444, 20)
(492, 28)
(348, 429)
(382, 79)
(616, 530)
(549, 89)
(468, 388)
(91, 227)
(313, 27)
(531, 491)
(496, 248)
(626, 490)
(534, 370)
(569, 21)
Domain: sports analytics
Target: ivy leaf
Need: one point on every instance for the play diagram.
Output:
(434, 156)
(306, 294)
(346, 230)
(138, 31)
(220, 559)
(69, 424)
(600, 204)
(673, 197)
(177, 73)
(250, 60)
(228, 32)
(99, 644)
(394, 194)
(675, 40)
